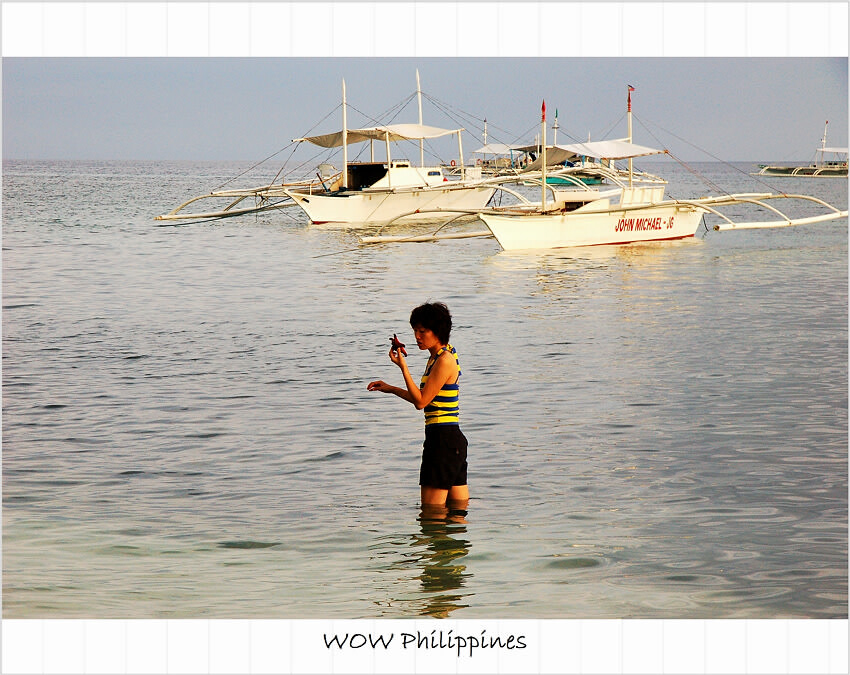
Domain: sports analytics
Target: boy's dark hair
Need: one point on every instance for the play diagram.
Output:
(433, 316)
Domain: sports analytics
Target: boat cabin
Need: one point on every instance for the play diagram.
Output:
(376, 175)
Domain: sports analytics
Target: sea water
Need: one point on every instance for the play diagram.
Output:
(655, 431)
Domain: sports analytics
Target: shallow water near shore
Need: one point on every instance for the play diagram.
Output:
(656, 431)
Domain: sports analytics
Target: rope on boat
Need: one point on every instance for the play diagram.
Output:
(292, 145)
(613, 126)
(415, 237)
(312, 159)
(388, 117)
(703, 150)
(453, 113)
(251, 168)
(696, 173)
(394, 109)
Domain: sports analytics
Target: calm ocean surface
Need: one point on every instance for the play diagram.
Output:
(656, 431)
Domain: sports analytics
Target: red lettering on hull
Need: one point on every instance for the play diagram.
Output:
(640, 224)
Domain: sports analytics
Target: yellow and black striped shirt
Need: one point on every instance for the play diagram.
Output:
(445, 408)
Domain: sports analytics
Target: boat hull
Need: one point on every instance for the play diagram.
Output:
(369, 208)
(518, 232)
(805, 171)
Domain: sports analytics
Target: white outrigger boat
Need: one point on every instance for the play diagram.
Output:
(829, 163)
(363, 193)
(629, 212)
(376, 193)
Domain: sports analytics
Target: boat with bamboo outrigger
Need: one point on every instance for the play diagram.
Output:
(625, 214)
(362, 193)
(828, 163)
(380, 192)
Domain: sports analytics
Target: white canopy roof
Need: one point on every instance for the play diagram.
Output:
(533, 147)
(838, 150)
(396, 132)
(494, 149)
(554, 155)
(616, 149)
(610, 149)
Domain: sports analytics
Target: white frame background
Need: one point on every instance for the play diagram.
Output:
(423, 29)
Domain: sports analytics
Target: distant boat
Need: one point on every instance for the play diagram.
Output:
(829, 163)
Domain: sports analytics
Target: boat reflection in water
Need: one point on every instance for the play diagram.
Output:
(441, 550)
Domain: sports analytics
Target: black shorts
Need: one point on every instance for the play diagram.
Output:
(443, 457)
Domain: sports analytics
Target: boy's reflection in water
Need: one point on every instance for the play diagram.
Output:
(441, 526)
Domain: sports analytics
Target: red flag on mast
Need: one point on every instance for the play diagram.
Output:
(544, 110)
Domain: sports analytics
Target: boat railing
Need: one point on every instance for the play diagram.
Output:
(710, 204)
(264, 196)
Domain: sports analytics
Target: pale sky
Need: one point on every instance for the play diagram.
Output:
(736, 109)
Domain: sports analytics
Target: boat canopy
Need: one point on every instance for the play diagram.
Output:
(391, 132)
(554, 155)
(614, 149)
(840, 151)
(532, 147)
(610, 149)
(494, 149)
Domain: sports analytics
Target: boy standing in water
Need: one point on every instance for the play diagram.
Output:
(442, 477)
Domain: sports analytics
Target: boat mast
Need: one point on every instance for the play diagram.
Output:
(555, 126)
(344, 140)
(460, 154)
(629, 117)
(543, 157)
(823, 143)
(421, 141)
(389, 161)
